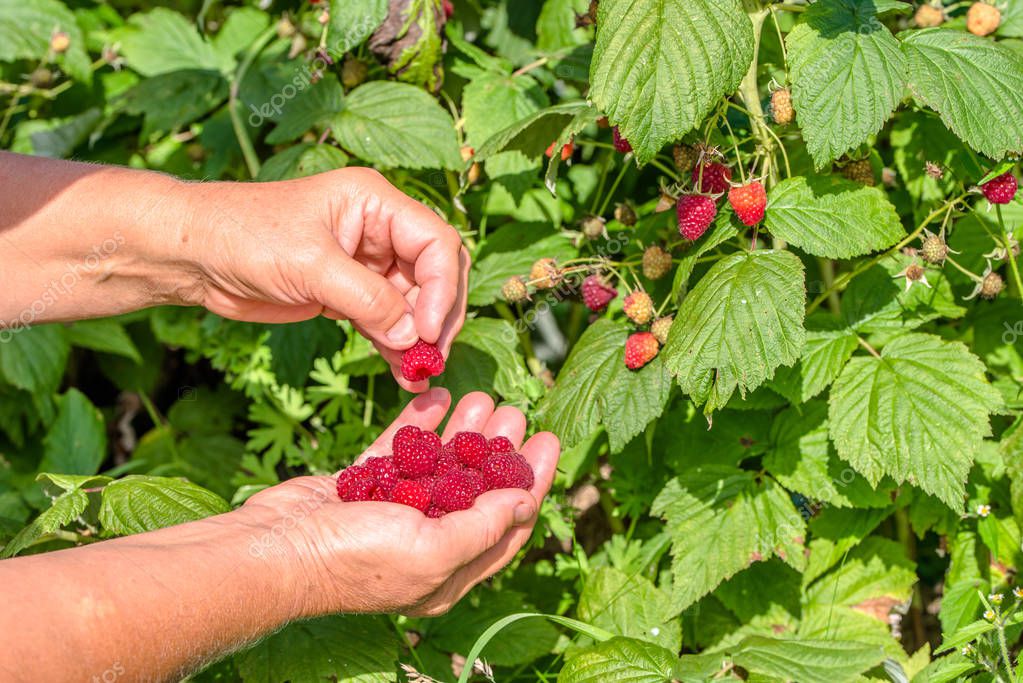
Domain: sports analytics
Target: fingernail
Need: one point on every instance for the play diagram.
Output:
(523, 513)
(403, 332)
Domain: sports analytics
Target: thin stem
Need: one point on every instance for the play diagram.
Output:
(1010, 257)
(244, 141)
(529, 67)
(870, 349)
(827, 267)
(843, 280)
(367, 413)
(527, 343)
(1004, 647)
(969, 273)
(611, 192)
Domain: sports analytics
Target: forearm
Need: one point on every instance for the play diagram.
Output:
(150, 607)
(86, 241)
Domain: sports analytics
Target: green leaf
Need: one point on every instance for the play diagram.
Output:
(351, 22)
(831, 217)
(77, 440)
(975, 84)
(533, 134)
(240, 30)
(918, 413)
(27, 26)
(825, 354)
(847, 74)
(172, 100)
(659, 66)
(141, 503)
(492, 102)
(521, 641)
(834, 532)
(878, 301)
(33, 358)
(808, 661)
(620, 659)
(69, 482)
(162, 41)
(394, 124)
(853, 601)
(56, 138)
(556, 27)
(486, 357)
(343, 648)
(107, 336)
(294, 346)
(595, 389)
(630, 606)
(802, 460)
(741, 321)
(299, 161)
(511, 251)
(314, 106)
(721, 520)
(65, 508)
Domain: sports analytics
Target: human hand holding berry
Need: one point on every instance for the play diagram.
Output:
(378, 556)
(345, 244)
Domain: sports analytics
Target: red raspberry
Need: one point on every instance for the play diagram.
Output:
(621, 144)
(477, 484)
(447, 461)
(421, 362)
(501, 444)
(597, 294)
(406, 434)
(695, 214)
(384, 471)
(431, 439)
(507, 471)
(427, 482)
(715, 180)
(454, 491)
(411, 493)
(355, 483)
(749, 202)
(416, 458)
(640, 349)
(1000, 190)
(471, 448)
(434, 512)
(381, 494)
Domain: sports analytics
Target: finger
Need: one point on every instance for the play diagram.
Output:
(470, 415)
(508, 422)
(456, 317)
(401, 280)
(542, 452)
(420, 237)
(438, 273)
(342, 284)
(470, 533)
(425, 411)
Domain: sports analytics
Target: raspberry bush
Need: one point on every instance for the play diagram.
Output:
(756, 263)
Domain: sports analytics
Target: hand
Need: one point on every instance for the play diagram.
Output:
(346, 244)
(383, 557)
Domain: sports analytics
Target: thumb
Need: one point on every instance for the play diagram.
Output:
(366, 298)
(474, 531)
